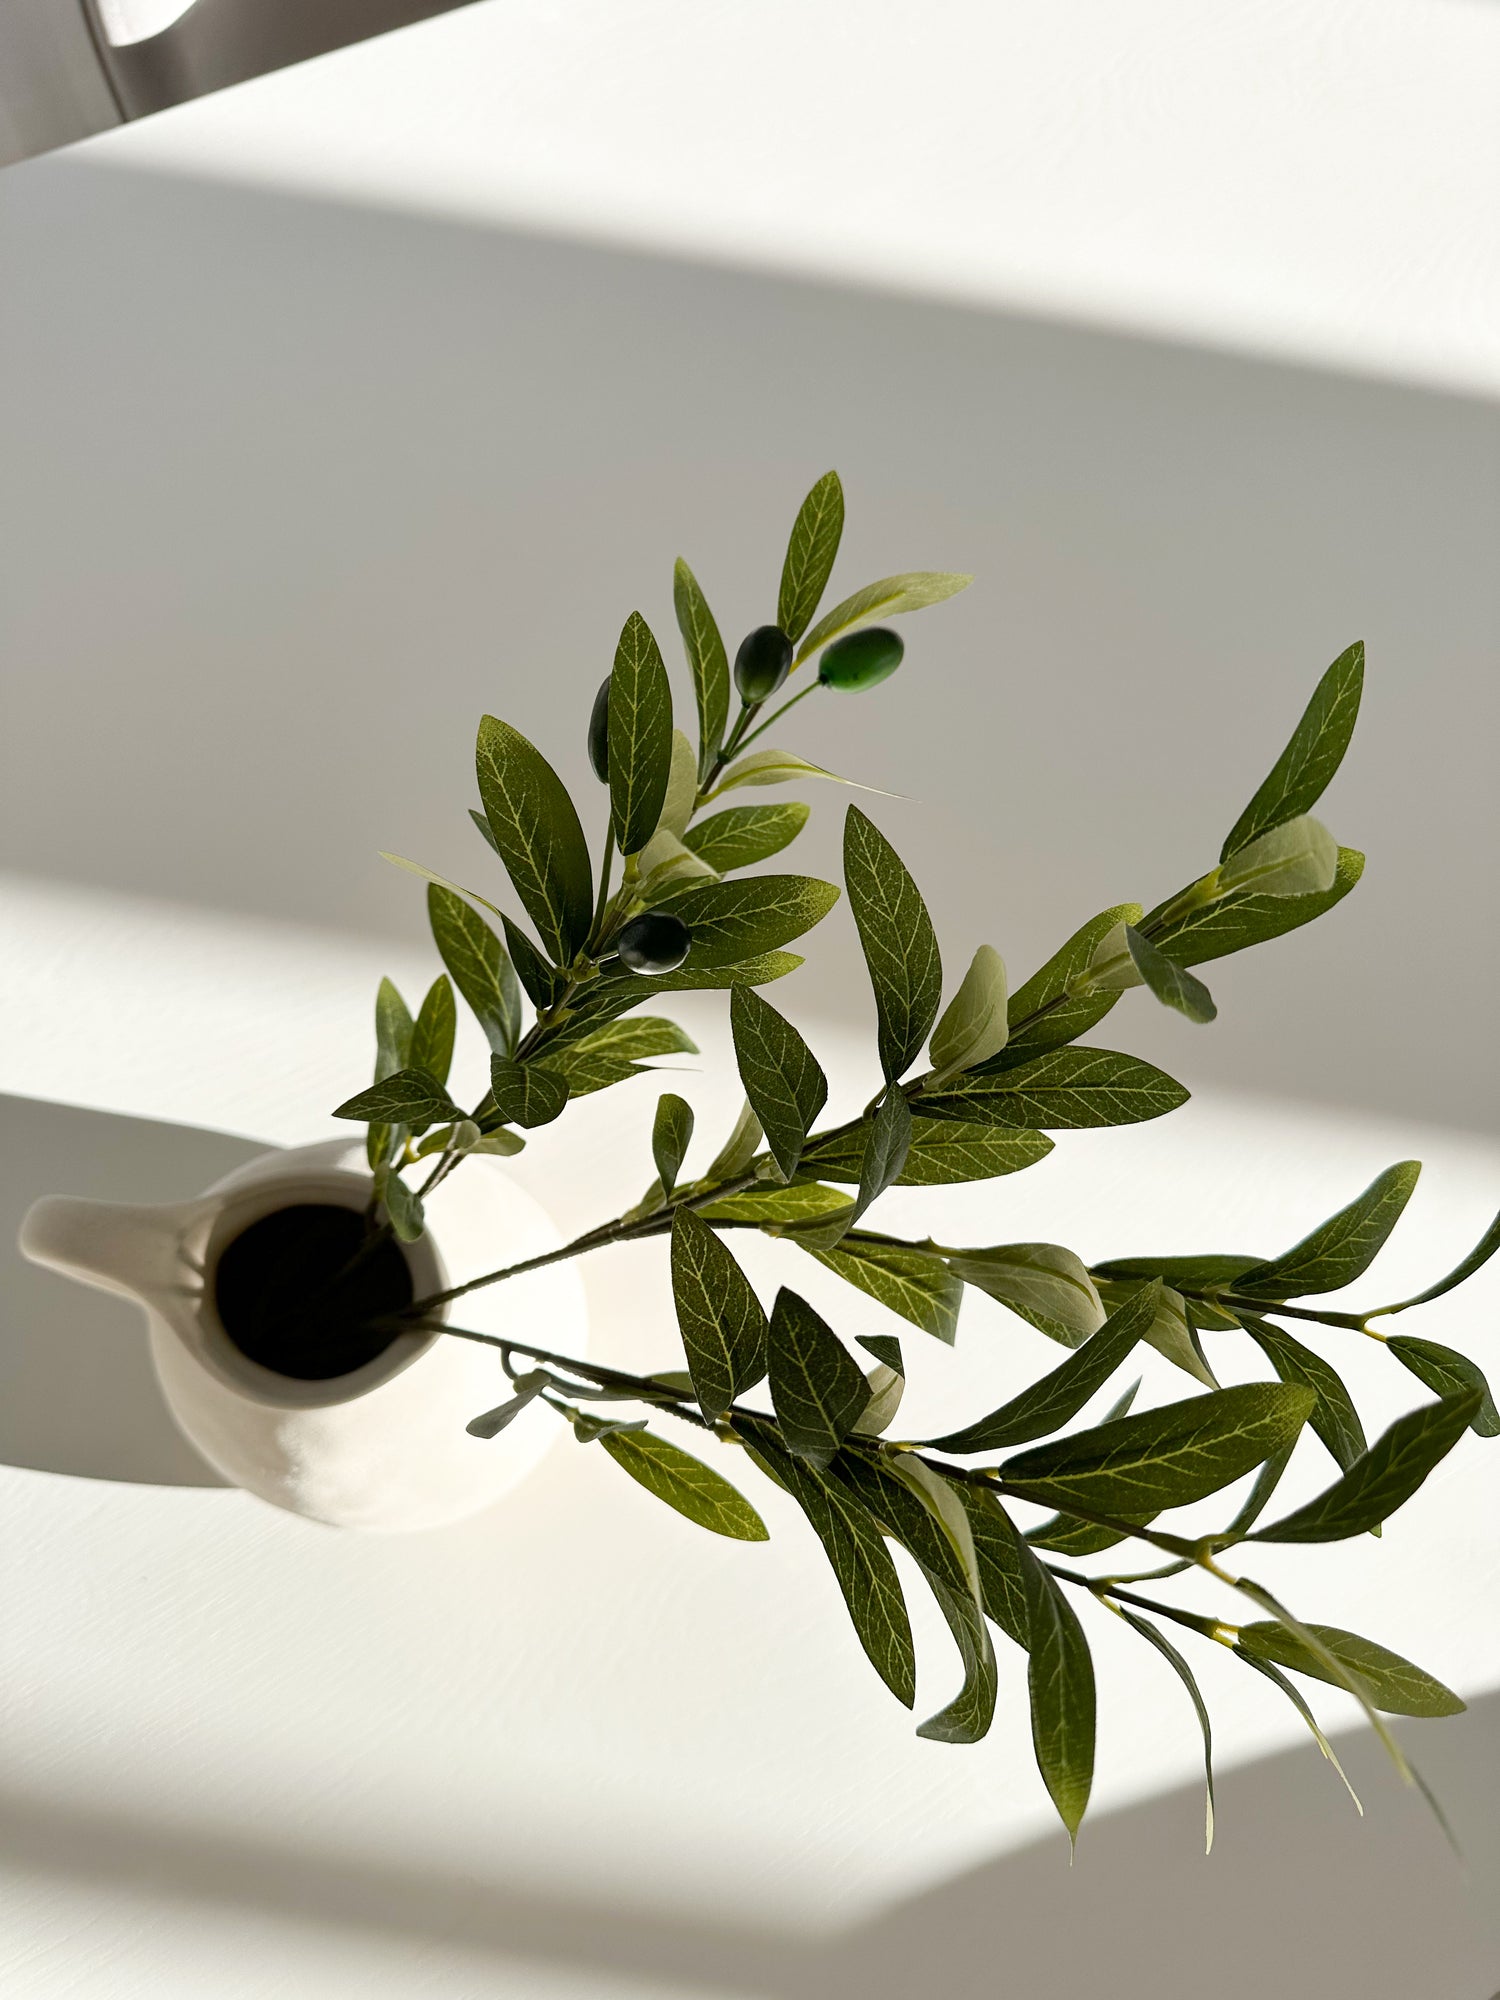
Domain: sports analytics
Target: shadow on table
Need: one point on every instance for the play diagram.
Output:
(1300, 1896)
(77, 1390)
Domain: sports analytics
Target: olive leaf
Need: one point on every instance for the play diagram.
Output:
(770, 1204)
(888, 598)
(887, 1142)
(543, 983)
(776, 767)
(1165, 1457)
(1448, 1373)
(1067, 1089)
(1046, 1285)
(681, 801)
(1060, 1679)
(1157, 1638)
(1236, 922)
(810, 555)
(1172, 1333)
(686, 1483)
(740, 836)
(707, 662)
(1340, 1250)
(783, 1081)
(434, 1029)
(1294, 1695)
(393, 1032)
(818, 1389)
(524, 1093)
(974, 1025)
(910, 1282)
(738, 1150)
(1302, 772)
(732, 921)
(410, 1097)
(1392, 1683)
(1334, 1417)
(1298, 858)
(857, 1553)
(671, 1134)
(441, 881)
(640, 735)
(999, 1562)
(722, 1322)
(404, 1207)
(527, 1387)
(480, 969)
(942, 1153)
(899, 943)
(537, 836)
(1384, 1479)
(1480, 1255)
(886, 1382)
(1053, 1007)
(1171, 984)
(1050, 1402)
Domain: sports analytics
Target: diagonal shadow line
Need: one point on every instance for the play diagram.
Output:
(1343, 1907)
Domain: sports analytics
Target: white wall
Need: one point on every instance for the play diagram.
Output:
(289, 493)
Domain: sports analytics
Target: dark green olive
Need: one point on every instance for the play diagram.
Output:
(655, 942)
(599, 733)
(762, 663)
(861, 660)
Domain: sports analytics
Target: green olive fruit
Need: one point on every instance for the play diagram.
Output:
(599, 733)
(861, 660)
(654, 942)
(762, 663)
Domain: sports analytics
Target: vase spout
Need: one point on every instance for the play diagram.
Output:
(127, 1247)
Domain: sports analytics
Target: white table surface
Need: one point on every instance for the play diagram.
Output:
(1316, 179)
(578, 1692)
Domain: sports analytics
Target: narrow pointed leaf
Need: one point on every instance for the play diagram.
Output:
(810, 554)
(528, 1387)
(1300, 858)
(1334, 1417)
(898, 940)
(683, 1482)
(740, 836)
(1157, 1638)
(910, 1282)
(1068, 1089)
(1242, 920)
(859, 1558)
(671, 1134)
(1384, 1479)
(480, 969)
(974, 1025)
(1480, 1255)
(1060, 1395)
(887, 1144)
(434, 1029)
(1044, 1283)
(1051, 1009)
(410, 1097)
(640, 735)
(1448, 1374)
(1394, 1684)
(767, 1204)
(1172, 985)
(544, 985)
(1294, 1695)
(1302, 772)
(1166, 1457)
(707, 662)
(526, 1094)
(739, 1149)
(818, 1389)
(777, 767)
(731, 921)
(782, 1078)
(635, 1040)
(1063, 1698)
(722, 1322)
(942, 1153)
(1343, 1248)
(1172, 1333)
(393, 1032)
(1000, 1563)
(888, 598)
(404, 1206)
(538, 837)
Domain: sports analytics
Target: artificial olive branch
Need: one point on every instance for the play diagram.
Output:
(694, 908)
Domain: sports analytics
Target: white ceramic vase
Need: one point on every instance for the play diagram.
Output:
(383, 1447)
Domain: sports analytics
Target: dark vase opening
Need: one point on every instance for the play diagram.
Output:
(298, 1290)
